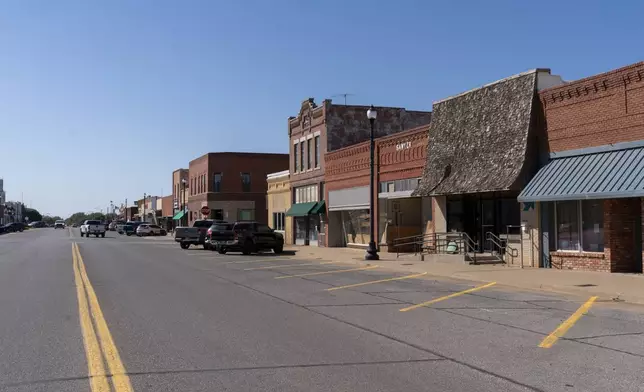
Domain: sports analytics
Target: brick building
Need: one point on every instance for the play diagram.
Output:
(179, 195)
(232, 184)
(588, 194)
(400, 159)
(317, 130)
(279, 201)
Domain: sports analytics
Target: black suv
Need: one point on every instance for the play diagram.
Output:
(246, 237)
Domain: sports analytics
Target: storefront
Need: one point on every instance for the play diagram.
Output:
(349, 217)
(590, 203)
(308, 212)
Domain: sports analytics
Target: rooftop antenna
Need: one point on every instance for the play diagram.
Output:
(345, 95)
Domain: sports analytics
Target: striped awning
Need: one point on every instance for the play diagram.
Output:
(598, 175)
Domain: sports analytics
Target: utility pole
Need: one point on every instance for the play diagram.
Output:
(143, 216)
(126, 209)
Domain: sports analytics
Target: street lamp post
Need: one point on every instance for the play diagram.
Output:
(184, 184)
(372, 250)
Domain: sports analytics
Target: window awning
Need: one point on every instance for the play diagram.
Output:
(600, 175)
(301, 209)
(179, 215)
(319, 208)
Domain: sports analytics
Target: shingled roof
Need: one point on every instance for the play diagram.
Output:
(478, 140)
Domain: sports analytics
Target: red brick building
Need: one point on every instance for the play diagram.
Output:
(400, 160)
(232, 184)
(589, 193)
(317, 130)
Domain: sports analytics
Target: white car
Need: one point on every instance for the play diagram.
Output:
(146, 229)
(94, 227)
(59, 224)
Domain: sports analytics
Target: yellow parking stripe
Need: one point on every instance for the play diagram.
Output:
(257, 261)
(285, 266)
(120, 379)
(446, 297)
(97, 378)
(327, 272)
(561, 330)
(376, 281)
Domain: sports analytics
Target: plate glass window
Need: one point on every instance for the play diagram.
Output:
(568, 225)
(592, 222)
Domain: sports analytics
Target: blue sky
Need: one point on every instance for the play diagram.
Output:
(102, 100)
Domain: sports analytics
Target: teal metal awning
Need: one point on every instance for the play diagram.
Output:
(300, 209)
(599, 174)
(319, 208)
(179, 215)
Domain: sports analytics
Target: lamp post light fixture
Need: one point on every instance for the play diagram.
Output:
(184, 184)
(372, 250)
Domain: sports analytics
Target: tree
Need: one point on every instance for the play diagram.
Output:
(50, 220)
(31, 214)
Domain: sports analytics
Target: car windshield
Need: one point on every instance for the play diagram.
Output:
(202, 223)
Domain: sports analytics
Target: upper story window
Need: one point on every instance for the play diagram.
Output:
(203, 183)
(301, 156)
(295, 158)
(245, 178)
(309, 157)
(316, 146)
(216, 182)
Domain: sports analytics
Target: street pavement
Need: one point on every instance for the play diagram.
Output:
(141, 314)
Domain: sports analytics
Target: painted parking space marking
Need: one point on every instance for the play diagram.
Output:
(285, 266)
(327, 272)
(258, 261)
(561, 330)
(433, 301)
(376, 281)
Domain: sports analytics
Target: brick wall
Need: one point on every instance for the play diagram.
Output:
(167, 206)
(620, 218)
(580, 261)
(603, 109)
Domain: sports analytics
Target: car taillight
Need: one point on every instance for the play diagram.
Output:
(209, 231)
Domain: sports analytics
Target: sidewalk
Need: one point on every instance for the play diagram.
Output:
(620, 287)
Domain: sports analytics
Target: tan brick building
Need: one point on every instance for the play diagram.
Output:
(232, 184)
(279, 201)
(588, 193)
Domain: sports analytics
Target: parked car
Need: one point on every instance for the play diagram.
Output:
(214, 232)
(37, 224)
(247, 237)
(74, 224)
(194, 235)
(59, 224)
(14, 227)
(92, 227)
(147, 229)
(127, 229)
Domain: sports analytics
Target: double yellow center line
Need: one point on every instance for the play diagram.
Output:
(99, 344)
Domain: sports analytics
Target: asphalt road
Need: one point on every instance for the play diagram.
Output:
(158, 318)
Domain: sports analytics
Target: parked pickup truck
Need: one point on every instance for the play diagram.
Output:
(92, 227)
(194, 235)
(246, 237)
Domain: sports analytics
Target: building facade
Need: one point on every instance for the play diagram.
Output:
(484, 146)
(400, 160)
(232, 185)
(317, 130)
(180, 193)
(588, 194)
(279, 202)
(12, 212)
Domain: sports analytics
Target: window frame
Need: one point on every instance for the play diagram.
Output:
(296, 167)
(246, 187)
(309, 158)
(580, 229)
(316, 147)
(301, 156)
(216, 185)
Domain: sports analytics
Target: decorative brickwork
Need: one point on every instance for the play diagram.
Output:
(603, 109)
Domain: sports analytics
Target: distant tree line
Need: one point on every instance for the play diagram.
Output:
(80, 217)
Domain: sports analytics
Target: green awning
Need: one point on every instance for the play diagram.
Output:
(320, 208)
(301, 209)
(179, 215)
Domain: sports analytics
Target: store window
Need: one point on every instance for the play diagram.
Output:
(592, 223)
(568, 225)
(246, 215)
(279, 219)
(355, 224)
